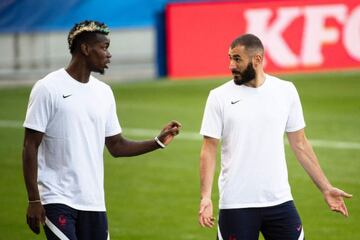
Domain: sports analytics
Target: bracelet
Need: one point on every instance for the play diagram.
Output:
(159, 142)
(34, 201)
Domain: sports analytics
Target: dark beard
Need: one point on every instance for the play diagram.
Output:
(246, 76)
(100, 71)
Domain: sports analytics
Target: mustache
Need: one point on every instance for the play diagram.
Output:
(235, 72)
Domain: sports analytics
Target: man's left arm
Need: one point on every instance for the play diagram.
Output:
(305, 154)
(119, 146)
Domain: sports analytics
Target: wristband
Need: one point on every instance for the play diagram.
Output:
(34, 201)
(159, 142)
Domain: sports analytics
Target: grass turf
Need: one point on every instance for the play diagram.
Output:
(156, 196)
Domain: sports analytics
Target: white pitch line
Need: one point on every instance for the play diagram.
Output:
(138, 132)
(10, 124)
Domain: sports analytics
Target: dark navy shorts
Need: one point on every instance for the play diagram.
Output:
(65, 223)
(280, 222)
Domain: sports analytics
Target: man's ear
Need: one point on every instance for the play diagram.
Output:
(84, 49)
(257, 60)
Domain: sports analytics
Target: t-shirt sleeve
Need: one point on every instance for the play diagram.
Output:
(39, 108)
(112, 122)
(295, 119)
(212, 123)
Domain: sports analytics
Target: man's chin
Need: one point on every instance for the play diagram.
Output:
(101, 71)
(238, 80)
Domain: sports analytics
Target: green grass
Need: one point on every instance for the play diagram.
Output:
(156, 196)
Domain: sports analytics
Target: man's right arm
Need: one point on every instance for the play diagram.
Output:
(207, 171)
(35, 212)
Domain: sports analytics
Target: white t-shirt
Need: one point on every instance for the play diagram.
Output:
(251, 123)
(75, 119)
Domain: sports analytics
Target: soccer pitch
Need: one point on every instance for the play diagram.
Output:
(156, 196)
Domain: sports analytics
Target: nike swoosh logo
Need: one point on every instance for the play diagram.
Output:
(233, 102)
(65, 96)
(298, 228)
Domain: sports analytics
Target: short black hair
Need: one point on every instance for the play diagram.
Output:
(85, 31)
(251, 43)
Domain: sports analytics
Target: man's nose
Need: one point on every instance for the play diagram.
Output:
(108, 54)
(232, 65)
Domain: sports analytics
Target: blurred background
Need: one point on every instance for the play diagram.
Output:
(166, 56)
(180, 39)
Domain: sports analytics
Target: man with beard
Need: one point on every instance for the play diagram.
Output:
(250, 115)
(70, 117)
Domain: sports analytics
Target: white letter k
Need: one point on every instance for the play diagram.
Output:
(276, 47)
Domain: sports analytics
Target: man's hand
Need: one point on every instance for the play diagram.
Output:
(169, 132)
(206, 218)
(334, 197)
(35, 216)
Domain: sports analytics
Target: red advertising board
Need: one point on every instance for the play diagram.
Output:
(299, 36)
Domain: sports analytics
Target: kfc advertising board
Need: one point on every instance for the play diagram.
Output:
(298, 36)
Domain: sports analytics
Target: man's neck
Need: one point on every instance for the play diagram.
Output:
(78, 71)
(258, 81)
